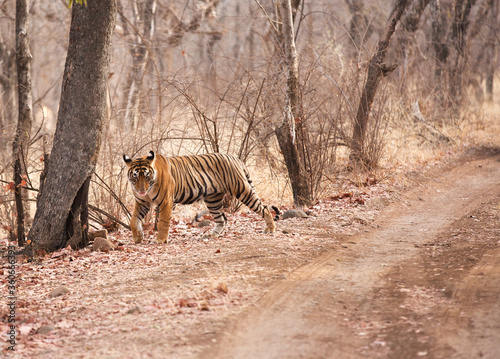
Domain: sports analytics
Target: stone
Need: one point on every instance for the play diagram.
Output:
(102, 244)
(99, 233)
(361, 220)
(204, 223)
(58, 292)
(135, 310)
(222, 288)
(44, 329)
(294, 213)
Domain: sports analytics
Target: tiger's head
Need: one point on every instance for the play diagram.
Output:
(141, 173)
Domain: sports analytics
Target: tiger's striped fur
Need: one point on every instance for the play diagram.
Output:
(164, 181)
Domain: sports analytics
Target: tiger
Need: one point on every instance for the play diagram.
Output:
(166, 181)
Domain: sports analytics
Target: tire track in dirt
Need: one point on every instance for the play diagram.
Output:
(323, 308)
(473, 334)
(469, 326)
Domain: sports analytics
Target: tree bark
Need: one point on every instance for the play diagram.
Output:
(412, 18)
(358, 22)
(459, 39)
(144, 16)
(8, 62)
(77, 139)
(491, 49)
(440, 46)
(25, 114)
(290, 132)
(409, 25)
(377, 69)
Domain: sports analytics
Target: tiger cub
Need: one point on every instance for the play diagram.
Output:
(164, 181)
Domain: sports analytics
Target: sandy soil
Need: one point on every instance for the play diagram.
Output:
(423, 283)
(411, 274)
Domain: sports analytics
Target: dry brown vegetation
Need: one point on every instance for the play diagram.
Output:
(219, 87)
(197, 76)
(206, 77)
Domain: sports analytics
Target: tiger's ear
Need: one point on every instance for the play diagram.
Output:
(127, 160)
(151, 156)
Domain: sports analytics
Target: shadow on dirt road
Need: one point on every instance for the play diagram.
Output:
(425, 283)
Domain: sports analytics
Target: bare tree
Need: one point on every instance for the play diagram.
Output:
(409, 25)
(492, 48)
(358, 22)
(290, 132)
(8, 64)
(439, 44)
(140, 43)
(459, 38)
(179, 27)
(377, 69)
(61, 213)
(25, 114)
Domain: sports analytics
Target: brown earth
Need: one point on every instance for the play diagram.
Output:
(418, 277)
(424, 283)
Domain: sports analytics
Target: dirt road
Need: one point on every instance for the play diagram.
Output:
(425, 283)
(418, 277)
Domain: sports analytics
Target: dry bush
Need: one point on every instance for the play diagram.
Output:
(222, 88)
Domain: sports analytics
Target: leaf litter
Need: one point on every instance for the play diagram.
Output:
(157, 300)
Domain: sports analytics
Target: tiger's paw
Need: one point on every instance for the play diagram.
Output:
(270, 229)
(162, 239)
(215, 233)
(210, 235)
(137, 240)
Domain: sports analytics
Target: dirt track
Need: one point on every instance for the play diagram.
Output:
(421, 278)
(425, 283)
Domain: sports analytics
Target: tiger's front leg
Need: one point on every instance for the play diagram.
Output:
(164, 216)
(140, 211)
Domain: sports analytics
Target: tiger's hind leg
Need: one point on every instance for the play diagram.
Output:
(249, 198)
(214, 204)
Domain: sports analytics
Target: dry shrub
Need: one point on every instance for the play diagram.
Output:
(232, 104)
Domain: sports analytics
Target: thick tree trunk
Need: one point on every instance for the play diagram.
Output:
(377, 69)
(25, 114)
(77, 139)
(290, 132)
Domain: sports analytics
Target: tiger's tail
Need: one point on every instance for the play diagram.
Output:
(275, 209)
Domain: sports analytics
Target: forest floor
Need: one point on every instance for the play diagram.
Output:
(396, 266)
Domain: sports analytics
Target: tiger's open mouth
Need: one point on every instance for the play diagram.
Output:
(142, 193)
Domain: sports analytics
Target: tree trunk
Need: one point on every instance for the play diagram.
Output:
(25, 116)
(8, 61)
(491, 50)
(409, 25)
(77, 139)
(440, 46)
(144, 17)
(290, 132)
(459, 39)
(377, 69)
(358, 23)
